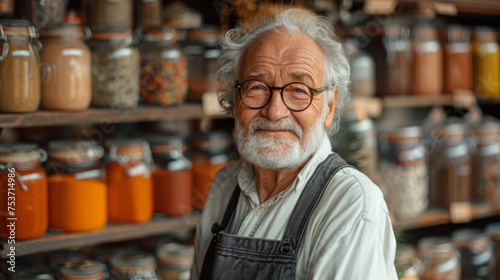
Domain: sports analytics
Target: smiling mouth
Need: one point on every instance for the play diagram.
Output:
(274, 131)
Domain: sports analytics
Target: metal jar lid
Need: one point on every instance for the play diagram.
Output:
(132, 149)
(470, 238)
(75, 150)
(62, 30)
(213, 142)
(129, 261)
(21, 153)
(167, 142)
(163, 33)
(403, 135)
(88, 269)
(175, 254)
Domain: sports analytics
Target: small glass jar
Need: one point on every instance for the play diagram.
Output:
(147, 12)
(457, 51)
(427, 63)
(449, 166)
(58, 259)
(115, 68)
(23, 191)
(440, 260)
(6, 8)
(209, 155)
(476, 249)
(133, 264)
(172, 177)
(493, 231)
(200, 47)
(130, 186)
(77, 192)
(486, 54)
(116, 13)
(175, 261)
(83, 270)
(47, 12)
(163, 67)
(66, 79)
(19, 67)
(398, 53)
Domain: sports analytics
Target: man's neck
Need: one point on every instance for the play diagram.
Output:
(271, 182)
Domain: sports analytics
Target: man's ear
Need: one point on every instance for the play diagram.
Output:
(331, 109)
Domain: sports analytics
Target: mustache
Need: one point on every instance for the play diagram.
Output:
(281, 124)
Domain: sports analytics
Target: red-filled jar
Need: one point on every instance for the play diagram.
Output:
(23, 191)
(457, 59)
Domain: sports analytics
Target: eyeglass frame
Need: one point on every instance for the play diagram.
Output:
(314, 92)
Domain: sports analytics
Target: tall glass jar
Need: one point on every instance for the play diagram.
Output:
(477, 253)
(116, 13)
(132, 264)
(427, 63)
(209, 155)
(130, 186)
(66, 80)
(23, 191)
(398, 52)
(175, 261)
(172, 177)
(440, 260)
(83, 270)
(19, 67)
(115, 68)
(486, 162)
(457, 59)
(163, 67)
(77, 192)
(200, 47)
(493, 231)
(403, 164)
(486, 62)
(362, 70)
(449, 166)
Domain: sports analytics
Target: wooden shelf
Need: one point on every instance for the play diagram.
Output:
(446, 7)
(111, 233)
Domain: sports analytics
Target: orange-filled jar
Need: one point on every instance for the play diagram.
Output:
(77, 191)
(209, 155)
(23, 191)
(130, 186)
(172, 177)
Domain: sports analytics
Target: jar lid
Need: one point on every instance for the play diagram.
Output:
(435, 246)
(484, 33)
(103, 33)
(21, 153)
(452, 132)
(62, 30)
(163, 33)
(206, 33)
(488, 131)
(35, 271)
(456, 33)
(211, 141)
(175, 253)
(132, 261)
(164, 143)
(493, 231)
(15, 22)
(132, 148)
(75, 150)
(470, 238)
(403, 135)
(83, 268)
(17, 27)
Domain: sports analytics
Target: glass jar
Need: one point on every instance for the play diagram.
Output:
(179, 15)
(449, 166)
(163, 67)
(47, 12)
(147, 12)
(77, 192)
(362, 70)
(209, 155)
(476, 249)
(116, 13)
(23, 191)
(486, 54)
(440, 260)
(200, 47)
(175, 261)
(397, 45)
(130, 186)
(427, 63)
(493, 231)
(66, 79)
(6, 8)
(404, 167)
(133, 264)
(486, 162)
(115, 68)
(19, 67)
(172, 177)
(83, 270)
(457, 59)
(58, 259)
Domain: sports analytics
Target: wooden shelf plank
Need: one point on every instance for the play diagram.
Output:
(102, 116)
(111, 233)
(416, 101)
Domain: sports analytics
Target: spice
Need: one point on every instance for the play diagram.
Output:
(23, 191)
(477, 254)
(117, 13)
(19, 68)
(66, 83)
(440, 259)
(457, 59)
(398, 53)
(147, 12)
(83, 270)
(486, 62)
(133, 264)
(175, 261)
(427, 65)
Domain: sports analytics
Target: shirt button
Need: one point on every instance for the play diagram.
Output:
(257, 212)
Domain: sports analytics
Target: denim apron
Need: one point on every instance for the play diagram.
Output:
(235, 257)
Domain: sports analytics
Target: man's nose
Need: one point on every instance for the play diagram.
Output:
(275, 109)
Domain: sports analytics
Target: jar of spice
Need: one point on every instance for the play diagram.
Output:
(83, 270)
(23, 190)
(427, 64)
(486, 162)
(486, 62)
(362, 70)
(209, 155)
(130, 186)
(200, 47)
(457, 59)
(47, 12)
(477, 253)
(133, 264)
(6, 8)
(116, 13)
(19, 67)
(398, 52)
(147, 12)
(439, 258)
(163, 67)
(449, 165)
(493, 231)
(403, 163)
(172, 177)
(77, 192)
(175, 261)
(66, 80)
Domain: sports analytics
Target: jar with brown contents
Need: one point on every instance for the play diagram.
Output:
(457, 59)
(427, 64)
(398, 52)
(440, 260)
(117, 13)
(476, 249)
(147, 12)
(19, 67)
(66, 80)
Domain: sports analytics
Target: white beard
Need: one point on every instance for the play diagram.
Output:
(278, 153)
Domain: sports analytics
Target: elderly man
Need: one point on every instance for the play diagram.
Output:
(290, 208)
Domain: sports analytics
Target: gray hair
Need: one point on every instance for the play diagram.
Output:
(337, 74)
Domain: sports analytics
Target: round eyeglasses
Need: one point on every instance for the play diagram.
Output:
(296, 96)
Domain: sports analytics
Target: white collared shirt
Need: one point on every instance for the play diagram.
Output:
(349, 235)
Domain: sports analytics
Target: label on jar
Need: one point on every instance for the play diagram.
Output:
(458, 48)
(72, 52)
(123, 52)
(88, 174)
(138, 170)
(487, 48)
(427, 47)
(31, 177)
(21, 53)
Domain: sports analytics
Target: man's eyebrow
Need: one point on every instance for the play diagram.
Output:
(255, 74)
(300, 76)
